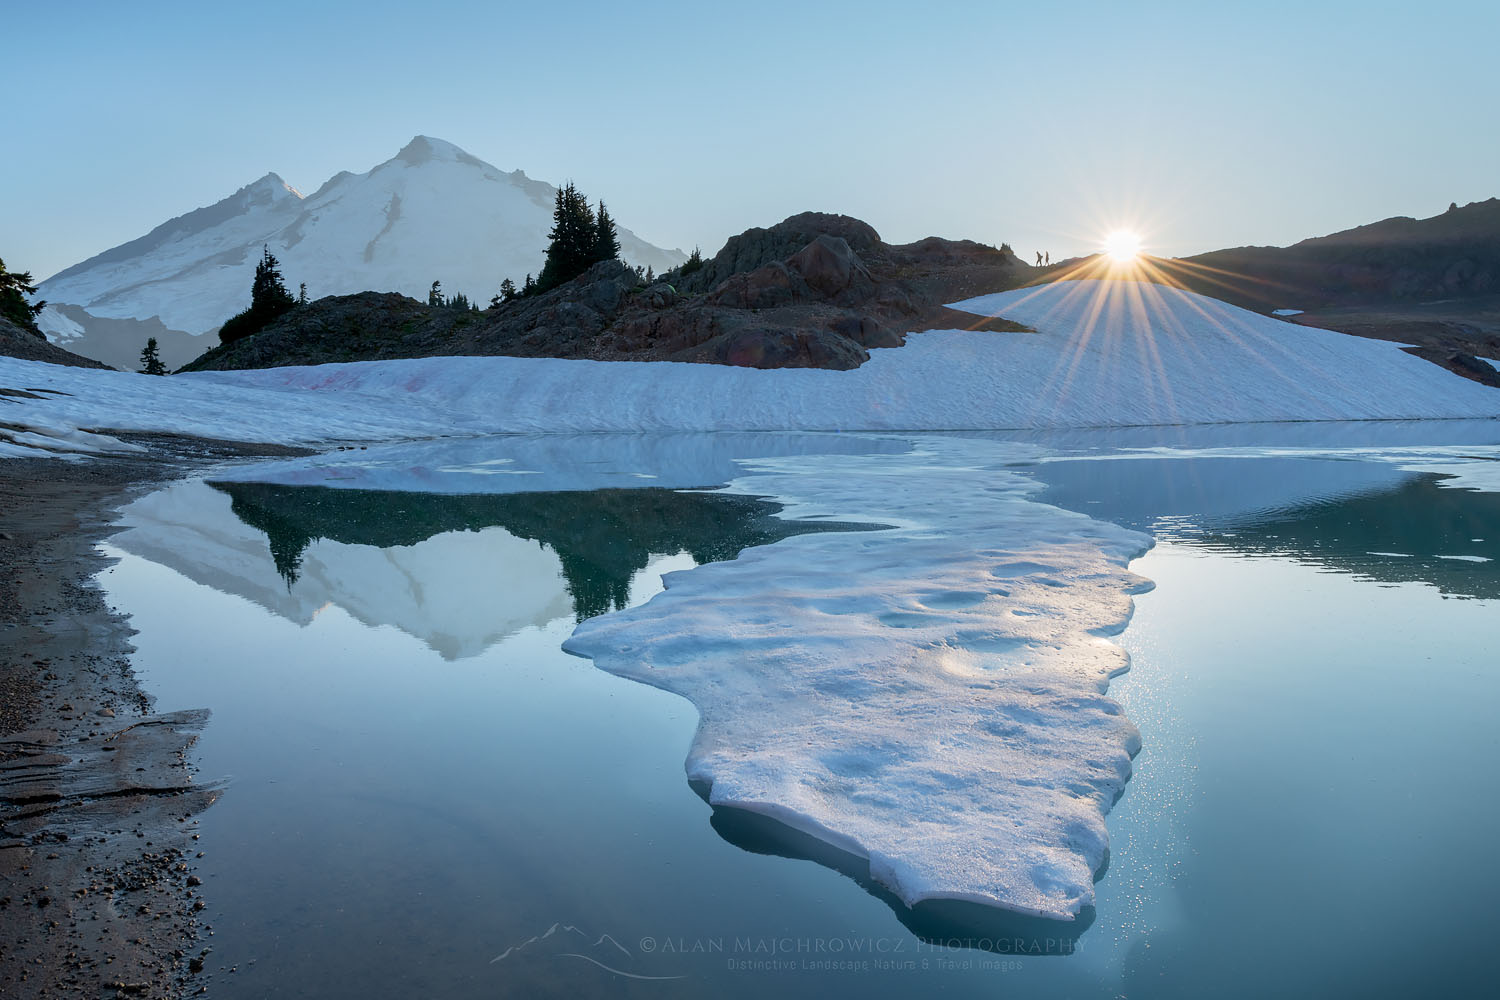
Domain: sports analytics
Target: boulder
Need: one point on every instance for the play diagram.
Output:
(828, 265)
(661, 295)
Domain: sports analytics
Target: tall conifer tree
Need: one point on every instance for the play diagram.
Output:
(14, 288)
(606, 238)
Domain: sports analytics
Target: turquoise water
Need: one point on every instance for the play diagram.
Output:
(1314, 679)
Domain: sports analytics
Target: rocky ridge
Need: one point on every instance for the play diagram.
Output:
(815, 291)
(17, 342)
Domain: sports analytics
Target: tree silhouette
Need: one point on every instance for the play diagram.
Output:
(269, 299)
(150, 360)
(606, 237)
(268, 291)
(580, 239)
(573, 236)
(14, 288)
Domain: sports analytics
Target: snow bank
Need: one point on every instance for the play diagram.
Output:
(930, 697)
(1106, 354)
(82, 398)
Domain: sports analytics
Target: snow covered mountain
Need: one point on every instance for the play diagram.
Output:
(433, 212)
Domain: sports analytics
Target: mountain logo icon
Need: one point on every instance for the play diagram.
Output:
(567, 941)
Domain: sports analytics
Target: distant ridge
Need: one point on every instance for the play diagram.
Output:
(1432, 284)
(1395, 261)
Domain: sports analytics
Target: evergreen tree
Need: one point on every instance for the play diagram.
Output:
(606, 238)
(302, 294)
(693, 263)
(14, 288)
(507, 290)
(495, 302)
(529, 287)
(150, 360)
(435, 294)
(574, 238)
(650, 276)
(268, 292)
(268, 300)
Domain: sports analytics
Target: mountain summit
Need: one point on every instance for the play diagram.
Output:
(433, 212)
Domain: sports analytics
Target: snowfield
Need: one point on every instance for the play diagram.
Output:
(1105, 354)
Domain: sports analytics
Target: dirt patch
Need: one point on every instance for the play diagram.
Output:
(97, 798)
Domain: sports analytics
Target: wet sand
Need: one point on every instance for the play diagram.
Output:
(97, 798)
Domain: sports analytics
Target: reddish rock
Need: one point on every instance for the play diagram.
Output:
(828, 265)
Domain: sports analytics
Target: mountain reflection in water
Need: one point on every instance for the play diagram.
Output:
(602, 537)
(1369, 519)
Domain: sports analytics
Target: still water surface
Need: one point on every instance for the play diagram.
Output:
(418, 779)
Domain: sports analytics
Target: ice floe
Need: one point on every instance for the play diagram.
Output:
(930, 697)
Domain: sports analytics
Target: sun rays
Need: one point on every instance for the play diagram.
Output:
(1122, 246)
(1126, 318)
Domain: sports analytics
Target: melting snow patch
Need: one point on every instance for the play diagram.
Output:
(930, 697)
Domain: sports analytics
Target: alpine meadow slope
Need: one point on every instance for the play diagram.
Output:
(431, 213)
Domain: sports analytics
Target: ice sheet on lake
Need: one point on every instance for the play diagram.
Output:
(1474, 465)
(930, 697)
(535, 463)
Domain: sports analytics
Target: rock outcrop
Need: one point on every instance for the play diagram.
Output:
(18, 342)
(815, 291)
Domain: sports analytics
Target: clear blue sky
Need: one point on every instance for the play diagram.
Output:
(1206, 125)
